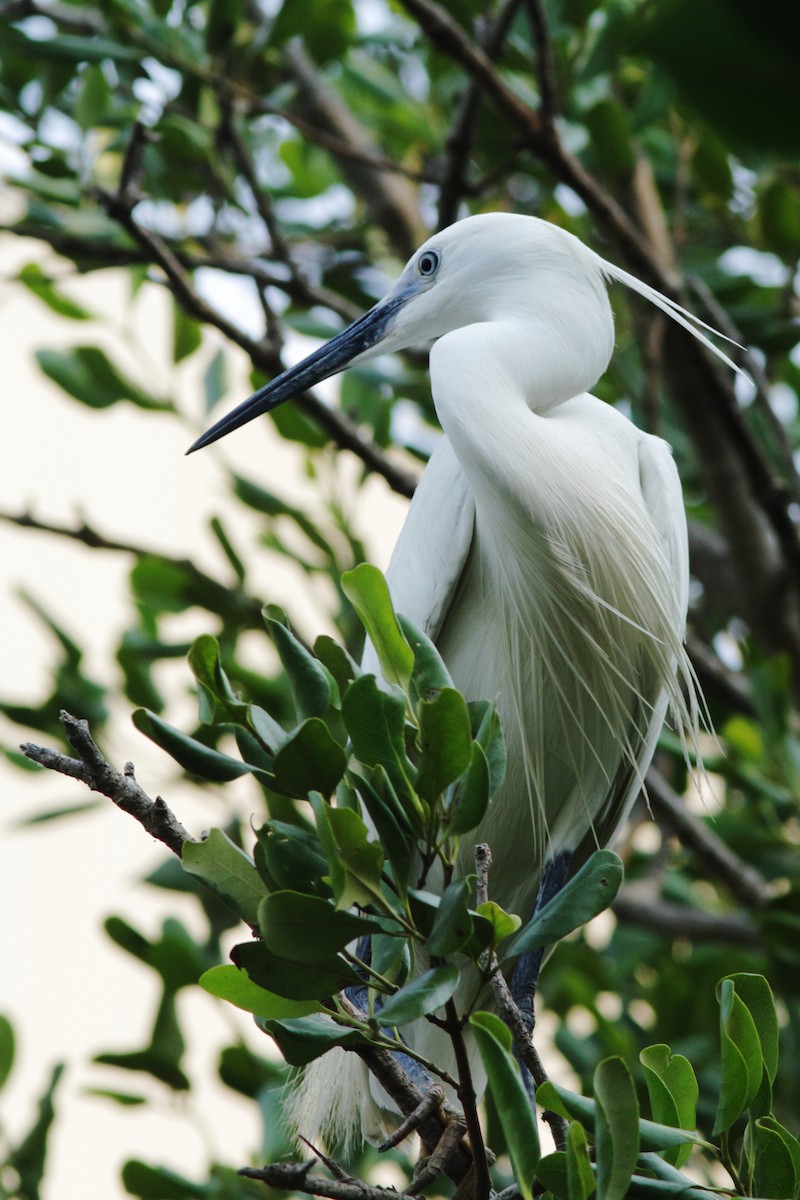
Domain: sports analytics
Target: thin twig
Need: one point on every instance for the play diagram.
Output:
(545, 64)
(469, 1102)
(263, 355)
(93, 769)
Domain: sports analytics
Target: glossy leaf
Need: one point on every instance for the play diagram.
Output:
(446, 741)
(294, 981)
(616, 1128)
(429, 673)
(741, 1057)
(289, 856)
(652, 1136)
(301, 1041)
(452, 925)
(376, 721)
(510, 1098)
(673, 1091)
(309, 760)
(226, 868)
(588, 893)
(472, 794)
(193, 756)
(312, 691)
(306, 929)
(366, 589)
(355, 861)
(580, 1176)
(487, 732)
(234, 985)
(503, 924)
(422, 995)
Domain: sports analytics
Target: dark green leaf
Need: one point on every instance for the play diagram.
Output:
(509, 1096)
(471, 798)
(446, 741)
(588, 893)
(452, 925)
(307, 1038)
(741, 1057)
(158, 1183)
(616, 1128)
(295, 981)
(651, 1135)
(580, 1176)
(192, 755)
(776, 1161)
(187, 334)
(309, 760)
(307, 929)
(422, 995)
(312, 690)
(429, 673)
(88, 375)
(6, 1049)
(375, 721)
(672, 1088)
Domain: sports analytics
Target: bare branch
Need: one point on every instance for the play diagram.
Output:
(297, 1177)
(545, 64)
(98, 774)
(639, 904)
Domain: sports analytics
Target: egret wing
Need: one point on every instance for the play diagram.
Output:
(432, 548)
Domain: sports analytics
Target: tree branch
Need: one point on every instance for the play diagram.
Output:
(297, 1177)
(639, 904)
(97, 773)
(263, 355)
(744, 882)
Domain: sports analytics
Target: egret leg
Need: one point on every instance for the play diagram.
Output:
(526, 973)
(357, 995)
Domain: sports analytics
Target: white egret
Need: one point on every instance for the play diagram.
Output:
(544, 551)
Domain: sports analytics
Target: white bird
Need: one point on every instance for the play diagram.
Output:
(545, 550)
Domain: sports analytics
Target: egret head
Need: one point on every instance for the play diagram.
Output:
(488, 268)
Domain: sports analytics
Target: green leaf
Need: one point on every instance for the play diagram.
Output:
(580, 1108)
(158, 1183)
(306, 929)
(187, 334)
(741, 1057)
(367, 591)
(452, 926)
(422, 995)
(588, 893)
(776, 1161)
(34, 279)
(488, 733)
(503, 924)
(288, 856)
(756, 994)
(580, 1176)
(309, 760)
(234, 985)
(472, 794)
(29, 1156)
(390, 820)
(429, 674)
(376, 722)
(301, 1041)
(336, 660)
(446, 741)
(88, 375)
(6, 1049)
(551, 1172)
(616, 1128)
(510, 1098)
(294, 981)
(309, 680)
(355, 862)
(192, 755)
(230, 872)
(673, 1091)
(215, 380)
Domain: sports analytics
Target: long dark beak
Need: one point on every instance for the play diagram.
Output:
(334, 356)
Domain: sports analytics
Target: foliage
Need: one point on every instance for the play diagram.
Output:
(306, 154)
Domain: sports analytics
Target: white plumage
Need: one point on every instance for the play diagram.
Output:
(544, 551)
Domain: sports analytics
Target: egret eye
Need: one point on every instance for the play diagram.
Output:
(428, 263)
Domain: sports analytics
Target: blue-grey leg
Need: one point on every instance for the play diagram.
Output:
(526, 973)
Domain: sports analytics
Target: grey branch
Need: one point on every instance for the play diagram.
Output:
(640, 904)
(297, 1177)
(743, 881)
(91, 768)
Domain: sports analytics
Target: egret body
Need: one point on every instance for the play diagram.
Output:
(545, 549)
